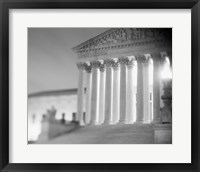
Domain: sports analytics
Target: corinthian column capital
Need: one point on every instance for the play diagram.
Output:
(130, 62)
(102, 67)
(115, 64)
(157, 57)
(108, 62)
(123, 60)
(140, 59)
(95, 64)
(81, 65)
(88, 68)
(145, 59)
(148, 59)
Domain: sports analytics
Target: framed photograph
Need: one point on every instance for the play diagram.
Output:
(99, 86)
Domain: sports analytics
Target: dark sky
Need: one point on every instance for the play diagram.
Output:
(51, 61)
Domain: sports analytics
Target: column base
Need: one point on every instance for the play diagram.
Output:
(142, 122)
(106, 123)
(97, 124)
(129, 122)
(122, 121)
(116, 123)
(156, 122)
(92, 123)
(82, 124)
(147, 122)
(139, 122)
(125, 123)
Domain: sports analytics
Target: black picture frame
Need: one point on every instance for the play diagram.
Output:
(6, 5)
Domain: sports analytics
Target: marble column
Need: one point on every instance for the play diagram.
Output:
(80, 98)
(88, 93)
(157, 70)
(163, 56)
(95, 92)
(140, 111)
(146, 89)
(131, 91)
(116, 91)
(123, 82)
(109, 92)
(102, 93)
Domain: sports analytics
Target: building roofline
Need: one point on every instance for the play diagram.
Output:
(93, 39)
(105, 33)
(54, 92)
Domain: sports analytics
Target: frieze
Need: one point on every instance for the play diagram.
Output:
(93, 53)
(101, 51)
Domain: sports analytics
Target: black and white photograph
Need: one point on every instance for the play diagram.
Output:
(99, 85)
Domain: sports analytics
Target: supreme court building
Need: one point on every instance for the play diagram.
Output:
(122, 70)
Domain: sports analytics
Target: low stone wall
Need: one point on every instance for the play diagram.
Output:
(52, 128)
(163, 133)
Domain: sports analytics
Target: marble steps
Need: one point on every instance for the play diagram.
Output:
(110, 134)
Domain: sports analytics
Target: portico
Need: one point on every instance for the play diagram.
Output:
(120, 70)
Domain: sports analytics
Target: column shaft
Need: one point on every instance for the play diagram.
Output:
(146, 90)
(140, 116)
(102, 94)
(156, 89)
(116, 93)
(80, 98)
(88, 95)
(131, 93)
(109, 93)
(123, 82)
(95, 93)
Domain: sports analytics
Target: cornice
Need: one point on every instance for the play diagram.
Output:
(106, 50)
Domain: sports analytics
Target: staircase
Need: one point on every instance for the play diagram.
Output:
(108, 134)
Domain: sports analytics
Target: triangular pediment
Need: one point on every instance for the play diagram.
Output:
(121, 36)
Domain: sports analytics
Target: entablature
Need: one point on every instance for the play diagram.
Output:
(122, 38)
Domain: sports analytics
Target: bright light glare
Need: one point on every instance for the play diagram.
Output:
(166, 73)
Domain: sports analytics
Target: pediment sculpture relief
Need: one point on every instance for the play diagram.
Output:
(124, 35)
(114, 38)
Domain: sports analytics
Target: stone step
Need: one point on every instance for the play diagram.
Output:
(111, 134)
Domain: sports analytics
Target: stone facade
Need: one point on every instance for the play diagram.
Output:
(119, 82)
(125, 79)
(64, 101)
